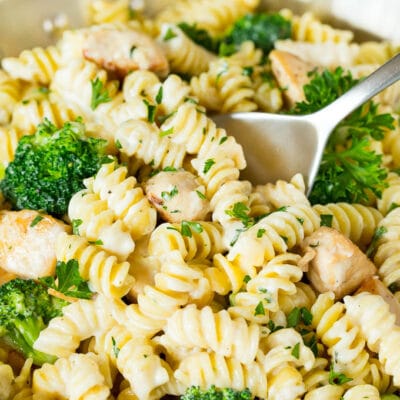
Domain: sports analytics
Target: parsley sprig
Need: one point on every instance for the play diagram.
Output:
(99, 94)
(349, 170)
(68, 281)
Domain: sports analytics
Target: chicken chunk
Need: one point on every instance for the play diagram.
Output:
(291, 72)
(27, 241)
(177, 196)
(122, 51)
(375, 286)
(334, 263)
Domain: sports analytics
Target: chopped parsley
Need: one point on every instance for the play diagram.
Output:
(379, 232)
(296, 351)
(151, 111)
(167, 196)
(99, 94)
(337, 378)
(207, 165)
(260, 232)
(115, 348)
(159, 95)
(170, 34)
(169, 131)
(326, 220)
(188, 226)
(76, 223)
(259, 310)
(201, 195)
(36, 220)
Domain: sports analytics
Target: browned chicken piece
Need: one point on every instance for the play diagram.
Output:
(177, 196)
(27, 242)
(123, 51)
(291, 72)
(334, 263)
(375, 286)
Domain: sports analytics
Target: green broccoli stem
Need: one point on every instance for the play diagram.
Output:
(23, 334)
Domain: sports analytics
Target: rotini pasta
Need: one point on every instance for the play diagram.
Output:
(377, 324)
(190, 327)
(105, 274)
(195, 276)
(80, 320)
(36, 65)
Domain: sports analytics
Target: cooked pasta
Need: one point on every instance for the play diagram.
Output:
(10, 93)
(199, 245)
(343, 339)
(205, 369)
(172, 270)
(105, 273)
(184, 56)
(190, 327)
(80, 320)
(36, 65)
(77, 376)
(209, 15)
(377, 324)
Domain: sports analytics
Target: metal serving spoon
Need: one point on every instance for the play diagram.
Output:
(279, 146)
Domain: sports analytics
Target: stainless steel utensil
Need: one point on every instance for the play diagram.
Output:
(278, 146)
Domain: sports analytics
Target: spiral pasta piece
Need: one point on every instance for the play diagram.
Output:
(135, 358)
(261, 294)
(183, 54)
(200, 245)
(215, 172)
(225, 276)
(343, 339)
(317, 384)
(143, 140)
(362, 391)
(10, 94)
(104, 12)
(224, 88)
(282, 193)
(27, 115)
(377, 324)
(205, 369)
(99, 224)
(103, 271)
(387, 249)
(307, 27)
(36, 65)
(190, 127)
(206, 14)
(274, 234)
(175, 285)
(73, 82)
(391, 195)
(190, 327)
(8, 144)
(280, 364)
(80, 320)
(355, 221)
(125, 198)
(75, 377)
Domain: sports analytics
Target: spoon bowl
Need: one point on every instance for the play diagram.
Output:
(278, 146)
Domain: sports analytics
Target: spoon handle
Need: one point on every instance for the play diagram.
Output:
(383, 77)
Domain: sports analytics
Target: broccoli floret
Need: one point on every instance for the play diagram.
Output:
(50, 165)
(196, 393)
(263, 29)
(25, 309)
(390, 397)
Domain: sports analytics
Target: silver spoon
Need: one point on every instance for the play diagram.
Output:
(279, 146)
